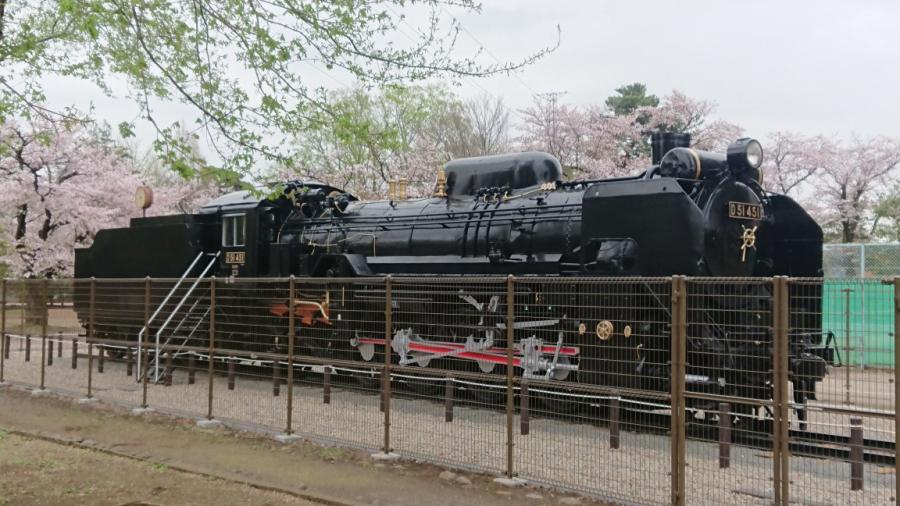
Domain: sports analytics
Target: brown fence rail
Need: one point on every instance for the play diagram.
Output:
(636, 390)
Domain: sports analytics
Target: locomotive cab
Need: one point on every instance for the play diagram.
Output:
(242, 228)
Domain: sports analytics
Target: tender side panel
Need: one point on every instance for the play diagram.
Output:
(156, 250)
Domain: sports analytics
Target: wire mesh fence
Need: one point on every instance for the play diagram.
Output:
(637, 390)
(856, 260)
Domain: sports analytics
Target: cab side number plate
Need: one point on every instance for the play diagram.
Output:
(235, 257)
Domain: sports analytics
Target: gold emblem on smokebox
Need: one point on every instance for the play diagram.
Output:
(748, 238)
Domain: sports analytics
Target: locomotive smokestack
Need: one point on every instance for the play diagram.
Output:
(662, 142)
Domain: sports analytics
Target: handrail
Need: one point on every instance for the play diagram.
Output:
(187, 315)
(163, 304)
(175, 311)
(191, 333)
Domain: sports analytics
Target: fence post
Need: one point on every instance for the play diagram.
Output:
(143, 351)
(326, 384)
(449, 387)
(169, 372)
(59, 347)
(847, 348)
(212, 342)
(614, 414)
(856, 453)
(386, 376)
(679, 331)
(288, 429)
(43, 362)
(510, 321)
(3, 345)
(74, 353)
(50, 351)
(724, 435)
(27, 347)
(92, 296)
(862, 306)
(524, 419)
(276, 377)
(781, 411)
(129, 366)
(21, 322)
(45, 297)
(192, 366)
(896, 370)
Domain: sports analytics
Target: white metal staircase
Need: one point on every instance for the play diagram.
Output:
(187, 322)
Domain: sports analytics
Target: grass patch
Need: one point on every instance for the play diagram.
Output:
(39, 465)
(331, 453)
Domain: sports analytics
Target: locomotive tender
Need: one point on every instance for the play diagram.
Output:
(692, 213)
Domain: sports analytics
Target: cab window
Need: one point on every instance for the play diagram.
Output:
(233, 230)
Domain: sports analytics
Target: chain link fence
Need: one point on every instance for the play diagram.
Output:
(850, 307)
(855, 261)
(635, 390)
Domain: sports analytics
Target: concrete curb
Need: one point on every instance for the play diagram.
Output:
(510, 482)
(204, 423)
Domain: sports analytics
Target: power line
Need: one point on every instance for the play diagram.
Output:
(466, 79)
(488, 51)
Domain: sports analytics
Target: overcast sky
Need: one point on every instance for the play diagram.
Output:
(810, 66)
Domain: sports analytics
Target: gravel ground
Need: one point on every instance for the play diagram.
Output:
(574, 456)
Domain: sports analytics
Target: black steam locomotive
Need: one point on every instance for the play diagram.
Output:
(692, 213)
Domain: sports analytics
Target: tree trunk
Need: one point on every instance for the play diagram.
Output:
(36, 299)
(849, 230)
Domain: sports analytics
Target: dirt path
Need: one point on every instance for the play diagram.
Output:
(40, 472)
(231, 468)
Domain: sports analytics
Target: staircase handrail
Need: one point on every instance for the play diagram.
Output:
(140, 338)
(175, 311)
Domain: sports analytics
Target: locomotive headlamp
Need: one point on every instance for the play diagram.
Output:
(745, 155)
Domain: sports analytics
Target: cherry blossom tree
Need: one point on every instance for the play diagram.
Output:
(681, 113)
(886, 225)
(559, 129)
(838, 182)
(792, 161)
(850, 179)
(594, 142)
(240, 68)
(59, 186)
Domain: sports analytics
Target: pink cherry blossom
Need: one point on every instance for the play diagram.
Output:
(58, 187)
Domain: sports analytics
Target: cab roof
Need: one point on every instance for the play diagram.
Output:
(244, 199)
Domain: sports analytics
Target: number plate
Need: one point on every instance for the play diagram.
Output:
(744, 211)
(235, 257)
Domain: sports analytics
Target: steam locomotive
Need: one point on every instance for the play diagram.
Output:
(691, 212)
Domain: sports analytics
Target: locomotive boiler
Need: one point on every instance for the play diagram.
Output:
(692, 212)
